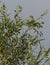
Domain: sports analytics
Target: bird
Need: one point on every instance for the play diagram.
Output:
(31, 18)
(30, 22)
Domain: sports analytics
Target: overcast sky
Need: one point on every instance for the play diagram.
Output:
(35, 8)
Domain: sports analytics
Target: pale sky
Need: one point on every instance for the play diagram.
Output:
(35, 8)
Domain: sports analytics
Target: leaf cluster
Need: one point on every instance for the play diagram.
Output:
(19, 50)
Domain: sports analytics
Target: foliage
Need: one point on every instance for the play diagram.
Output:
(18, 47)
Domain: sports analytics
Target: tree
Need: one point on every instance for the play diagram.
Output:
(18, 47)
